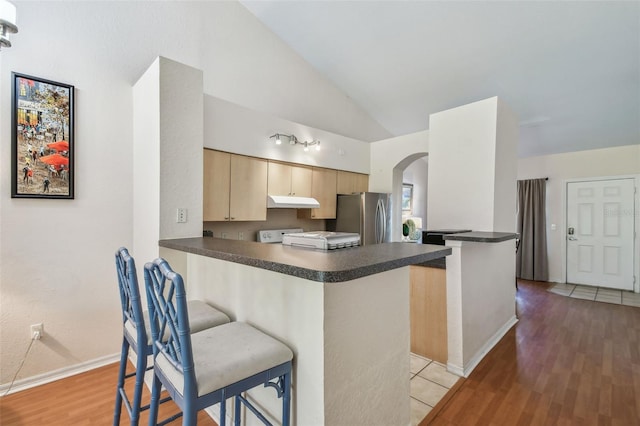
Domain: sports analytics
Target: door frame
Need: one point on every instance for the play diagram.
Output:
(636, 226)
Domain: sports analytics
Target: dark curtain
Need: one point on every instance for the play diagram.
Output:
(531, 259)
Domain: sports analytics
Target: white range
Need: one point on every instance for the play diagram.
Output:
(323, 240)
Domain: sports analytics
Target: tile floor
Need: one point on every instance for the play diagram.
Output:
(597, 294)
(430, 381)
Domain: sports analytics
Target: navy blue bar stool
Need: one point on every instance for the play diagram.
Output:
(205, 368)
(137, 334)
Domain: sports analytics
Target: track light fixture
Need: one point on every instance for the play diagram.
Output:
(293, 140)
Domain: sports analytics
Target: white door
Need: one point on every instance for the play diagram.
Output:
(600, 233)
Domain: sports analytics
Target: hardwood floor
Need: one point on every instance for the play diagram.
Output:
(566, 362)
(84, 399)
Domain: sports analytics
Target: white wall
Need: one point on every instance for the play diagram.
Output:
(624, 160)
(168, 157)
(504, 197)
(56, 256)
(146, 157)
(481, 301)
(472, 166)
(234, 128)
(389, 159)
(388, 153)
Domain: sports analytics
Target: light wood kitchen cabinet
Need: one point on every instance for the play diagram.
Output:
(349, 182)
(216, 185)
(428, 311)
(235, 187)
(323, 189)
(289, 179)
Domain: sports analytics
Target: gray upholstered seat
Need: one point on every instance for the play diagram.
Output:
(225, 355)
(201, 317)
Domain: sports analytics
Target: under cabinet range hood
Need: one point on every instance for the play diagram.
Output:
(291, 202)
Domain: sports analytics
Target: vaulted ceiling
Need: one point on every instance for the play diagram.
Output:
(570, 70)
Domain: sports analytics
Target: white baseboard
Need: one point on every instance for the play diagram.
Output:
(51, 376)
(479, 355)
(457, 370)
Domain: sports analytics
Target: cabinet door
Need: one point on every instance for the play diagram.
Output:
(428, 312)
(323, 189)
(278, 179)
(349, 182)
(216, 185)
(248, 195)
(362, 182)
(301, 178)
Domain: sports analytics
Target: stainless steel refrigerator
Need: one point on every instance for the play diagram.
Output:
(367, 213)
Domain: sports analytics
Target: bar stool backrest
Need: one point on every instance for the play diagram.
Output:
(168, 317)
(132, 316)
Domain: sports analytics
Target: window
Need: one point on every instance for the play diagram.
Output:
(407, 198)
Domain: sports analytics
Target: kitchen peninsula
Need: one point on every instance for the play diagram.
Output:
(344, 313)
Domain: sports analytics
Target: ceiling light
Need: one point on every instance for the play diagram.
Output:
(7, 22)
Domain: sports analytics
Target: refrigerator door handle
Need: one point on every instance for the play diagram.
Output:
(380, 222)
(383, 210)
(377, 223)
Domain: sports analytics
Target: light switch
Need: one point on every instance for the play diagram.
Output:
(553, 226)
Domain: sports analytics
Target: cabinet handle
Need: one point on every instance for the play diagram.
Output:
(226, 218)
(233, 218)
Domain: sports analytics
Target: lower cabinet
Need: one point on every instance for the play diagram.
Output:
(428, 312)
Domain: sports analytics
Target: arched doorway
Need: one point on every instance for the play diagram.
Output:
(396, 192)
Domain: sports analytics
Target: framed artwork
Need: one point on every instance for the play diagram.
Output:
(42, 141)
(407, 198)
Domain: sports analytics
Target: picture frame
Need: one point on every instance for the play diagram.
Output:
(407, 198)
(42, 138)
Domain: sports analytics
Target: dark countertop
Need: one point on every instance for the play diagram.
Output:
(482, 237)
(316, 265)
(440, 263)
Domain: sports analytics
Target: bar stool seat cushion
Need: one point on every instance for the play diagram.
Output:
(227, 354)
(201, 317)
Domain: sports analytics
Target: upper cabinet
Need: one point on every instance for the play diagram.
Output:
(216, 185)
(235, 187)
(349, 182)
(323, 189)
(288, 179)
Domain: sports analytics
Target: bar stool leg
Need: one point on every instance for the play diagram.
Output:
(236, 414)
(121, 376)
(286, 400)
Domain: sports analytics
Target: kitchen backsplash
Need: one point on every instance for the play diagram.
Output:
(276, 219)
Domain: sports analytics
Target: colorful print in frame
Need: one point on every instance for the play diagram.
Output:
(42, 138)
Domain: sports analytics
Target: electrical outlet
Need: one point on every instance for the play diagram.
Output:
(223, 235)
(37, 331)
(181, 215)
(241, 235)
